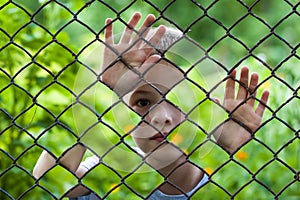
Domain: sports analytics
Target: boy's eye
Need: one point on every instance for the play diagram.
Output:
(143, 103)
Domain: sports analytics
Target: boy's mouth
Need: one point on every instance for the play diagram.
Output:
(159, 137)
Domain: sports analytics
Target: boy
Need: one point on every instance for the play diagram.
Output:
(135, 70)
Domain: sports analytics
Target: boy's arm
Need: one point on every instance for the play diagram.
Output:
(44, 163)
(244, 119)
(70, 160)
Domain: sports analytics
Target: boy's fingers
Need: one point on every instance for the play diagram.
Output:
(242, 91)
(216, 100)
(149, 62)
(108, 32)
(126, 37)
(252, 88)
(229, 88)
(156, 37)
(144, 29)
(261, 106)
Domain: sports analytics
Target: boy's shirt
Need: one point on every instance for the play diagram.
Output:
(156, 195)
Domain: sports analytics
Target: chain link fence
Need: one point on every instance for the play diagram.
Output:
(52, 97)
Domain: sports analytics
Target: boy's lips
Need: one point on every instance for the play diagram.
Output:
(159, 137)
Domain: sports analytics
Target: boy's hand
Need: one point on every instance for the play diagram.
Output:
(244, 119)
(130, 51)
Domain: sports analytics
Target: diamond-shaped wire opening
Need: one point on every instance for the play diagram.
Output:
(253, 187)
(32, 37)
(240, 177)
(18, 58)
(285, 29)
(211, 186)
(226, 45)
(173, 16)
(268, 181)
(33, 78)
(86, 15)
(50, 136)
(201, 155)
(185, 53)
(256, 34)
(14, 92)
(54, 185)
(271, 55)
(282, 7)
(51, 11)
(92, 179)
(288, 73)
(55, 56)
(236, 9)
(13, 14)
(20, 175)
(285, 154)
(285, 133)
(204, 26)
(288, 110)
(149, 178)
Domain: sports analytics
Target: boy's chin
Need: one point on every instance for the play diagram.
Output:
(163, 156)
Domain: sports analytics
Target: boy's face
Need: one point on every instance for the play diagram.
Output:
(159, 117)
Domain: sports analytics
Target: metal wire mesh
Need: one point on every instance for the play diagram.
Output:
(52, 97)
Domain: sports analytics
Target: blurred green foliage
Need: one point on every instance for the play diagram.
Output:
(50, 52)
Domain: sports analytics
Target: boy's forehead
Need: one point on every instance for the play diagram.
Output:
(150, 89)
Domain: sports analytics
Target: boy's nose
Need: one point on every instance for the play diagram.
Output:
(161, 116)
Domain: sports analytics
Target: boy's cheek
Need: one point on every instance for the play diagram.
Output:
(143, 131)
(141, 143)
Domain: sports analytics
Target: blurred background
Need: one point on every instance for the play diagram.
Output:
(51, 97)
